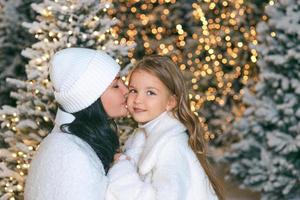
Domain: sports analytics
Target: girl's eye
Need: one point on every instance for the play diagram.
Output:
(150, 93)
(116, 86)
(132, 91)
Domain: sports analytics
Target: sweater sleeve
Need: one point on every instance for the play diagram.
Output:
(168, 181)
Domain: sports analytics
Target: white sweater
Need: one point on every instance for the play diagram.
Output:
(167, 168)
(65, 168)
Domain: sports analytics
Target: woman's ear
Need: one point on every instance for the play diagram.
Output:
(172, 103)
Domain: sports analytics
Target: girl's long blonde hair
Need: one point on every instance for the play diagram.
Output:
(167, 71)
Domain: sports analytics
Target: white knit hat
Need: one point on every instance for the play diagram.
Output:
(80, 76)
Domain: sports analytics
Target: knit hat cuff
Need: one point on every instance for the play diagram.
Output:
(91, 85)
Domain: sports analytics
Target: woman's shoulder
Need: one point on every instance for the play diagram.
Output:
(62, 142)
(65, 142)
(67, 149)
(61, 163)
(58, 138)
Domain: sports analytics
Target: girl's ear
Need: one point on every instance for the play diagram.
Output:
(172, 103)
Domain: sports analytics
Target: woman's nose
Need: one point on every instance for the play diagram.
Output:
(124, 89)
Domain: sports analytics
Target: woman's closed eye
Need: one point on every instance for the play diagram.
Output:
(117, 83)
(115, 86)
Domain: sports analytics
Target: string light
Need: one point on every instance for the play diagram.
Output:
(219, 66)
(149, 22)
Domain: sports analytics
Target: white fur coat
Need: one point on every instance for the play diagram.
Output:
(163, 166)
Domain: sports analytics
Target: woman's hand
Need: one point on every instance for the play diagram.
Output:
(120, 156)
(117, 156)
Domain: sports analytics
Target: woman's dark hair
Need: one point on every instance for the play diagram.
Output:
(93, 125)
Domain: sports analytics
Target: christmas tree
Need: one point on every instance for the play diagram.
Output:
(266, 158)
(219, 61)
(59, 24)
(13, 39)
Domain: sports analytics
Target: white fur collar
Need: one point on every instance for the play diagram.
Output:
(158, 132)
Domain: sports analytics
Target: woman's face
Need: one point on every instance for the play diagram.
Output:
(114, 99)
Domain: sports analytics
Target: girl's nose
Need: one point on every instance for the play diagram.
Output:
(138, 98)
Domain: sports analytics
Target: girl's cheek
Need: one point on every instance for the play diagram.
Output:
(129, 99)
(129, 104)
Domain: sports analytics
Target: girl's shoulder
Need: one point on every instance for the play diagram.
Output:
(175, 145)
(177, 141)
(177, 148)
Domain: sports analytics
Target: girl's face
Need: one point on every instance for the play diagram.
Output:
(114, 99)
(148, 97)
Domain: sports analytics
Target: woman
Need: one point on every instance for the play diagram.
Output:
(71, 162)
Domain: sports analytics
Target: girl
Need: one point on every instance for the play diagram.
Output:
(170, 162)
(72, 161)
